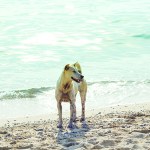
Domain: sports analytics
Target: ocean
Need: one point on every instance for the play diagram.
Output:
(110, 39)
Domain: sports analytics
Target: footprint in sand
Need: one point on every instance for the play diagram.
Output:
(107, 143)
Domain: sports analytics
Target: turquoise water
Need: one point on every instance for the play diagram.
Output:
(111, 40)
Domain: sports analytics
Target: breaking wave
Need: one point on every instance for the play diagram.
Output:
(19, 94)
(95, 88)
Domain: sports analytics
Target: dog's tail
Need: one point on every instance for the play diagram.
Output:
(77, 65)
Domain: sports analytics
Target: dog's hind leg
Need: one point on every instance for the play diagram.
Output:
(83, 99)
(59, 106)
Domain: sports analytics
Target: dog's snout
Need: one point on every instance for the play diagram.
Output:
(82, 76)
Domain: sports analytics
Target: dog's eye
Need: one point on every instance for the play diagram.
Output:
(74, 71)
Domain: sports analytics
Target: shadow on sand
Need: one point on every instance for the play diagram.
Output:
(68, 138)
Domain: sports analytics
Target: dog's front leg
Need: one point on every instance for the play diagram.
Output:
(59, 106)
(72, 114)
(72, 109)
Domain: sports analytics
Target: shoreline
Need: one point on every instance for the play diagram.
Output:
(122, 127)
(89, 112)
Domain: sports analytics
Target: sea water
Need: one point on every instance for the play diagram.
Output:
(110, 39)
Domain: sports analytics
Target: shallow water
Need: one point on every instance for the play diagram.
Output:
(109, 38)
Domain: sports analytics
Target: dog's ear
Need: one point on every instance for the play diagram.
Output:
(75, 64)
(66, 67)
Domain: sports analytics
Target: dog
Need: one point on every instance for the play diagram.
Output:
(69, 83)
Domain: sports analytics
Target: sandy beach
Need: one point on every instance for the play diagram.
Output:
(49, 48)
(115, 128)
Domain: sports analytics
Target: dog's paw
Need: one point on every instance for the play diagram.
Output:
(59, 125)
(70, 125)
(75, 119)
(84, 125)
(82, 119)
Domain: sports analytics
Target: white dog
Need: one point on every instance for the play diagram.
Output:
(70, 82)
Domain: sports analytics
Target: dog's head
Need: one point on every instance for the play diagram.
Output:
(71, 72)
